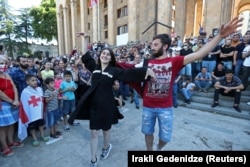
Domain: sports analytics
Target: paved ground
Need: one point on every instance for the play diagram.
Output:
(192, 130)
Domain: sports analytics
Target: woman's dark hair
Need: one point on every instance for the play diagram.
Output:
(113, 60)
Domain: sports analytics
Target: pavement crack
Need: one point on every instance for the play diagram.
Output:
(204, 141)
(247, 132)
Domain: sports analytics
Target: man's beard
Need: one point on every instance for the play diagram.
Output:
(159, 53)
(24, 66)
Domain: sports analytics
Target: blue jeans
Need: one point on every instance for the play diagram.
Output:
(187, 93)
(187, 70)
(228, 64)
(238, 66)
(209, 64)
(68, 106)
(175, 91)
(136, 98)
(196, 68)
(52, 117)
(124, 89)
(165, 121)
(203, 84)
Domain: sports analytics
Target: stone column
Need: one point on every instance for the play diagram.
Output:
(60, 33)
(212, 15)
(133, 20)
(226, 11)
(164, 16)
(66, 30)
(190, 18)
(112, 26)
(180, 17)
(95, 23)
(84, 20)
(198, 20)
(73, 21)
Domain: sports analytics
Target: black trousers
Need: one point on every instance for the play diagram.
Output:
(232, 93)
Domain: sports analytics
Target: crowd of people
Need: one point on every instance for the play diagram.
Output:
(75, 86)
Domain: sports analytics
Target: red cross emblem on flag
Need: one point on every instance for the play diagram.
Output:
(34, 101)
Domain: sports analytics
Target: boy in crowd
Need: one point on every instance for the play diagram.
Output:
(51, 99)
(31, 112)
(67, 89)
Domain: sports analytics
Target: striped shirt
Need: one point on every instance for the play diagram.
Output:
(53, 103)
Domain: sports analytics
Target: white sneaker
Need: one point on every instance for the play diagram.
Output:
(105, 152)
(248, 103)
(94, 164)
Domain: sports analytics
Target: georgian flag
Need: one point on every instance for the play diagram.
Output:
(31, 109)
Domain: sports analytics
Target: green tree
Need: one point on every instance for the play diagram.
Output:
(23, 30)
(44, 20)
(6, 27)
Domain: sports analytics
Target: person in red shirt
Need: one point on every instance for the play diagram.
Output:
(157, 95)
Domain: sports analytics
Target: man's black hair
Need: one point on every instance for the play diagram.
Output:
(19, 57)
(165, 39)
(48, 81)
(67, 73)
(29, 76)
(228, 71)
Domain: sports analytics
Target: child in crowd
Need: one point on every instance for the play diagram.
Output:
(58, 80)
(67, 88)
(51, 99)
(32, 108)
(47, 72)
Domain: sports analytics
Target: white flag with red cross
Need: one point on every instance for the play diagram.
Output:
(31, 109)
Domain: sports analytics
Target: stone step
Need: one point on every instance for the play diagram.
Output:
(226, 102)
(244, 98)
(228, 111)
(211, 90)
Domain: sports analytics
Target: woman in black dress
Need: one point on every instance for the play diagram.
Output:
(98, 103)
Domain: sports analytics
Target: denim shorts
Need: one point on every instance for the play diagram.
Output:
(68, 106)
(165, 121)
(52, 117)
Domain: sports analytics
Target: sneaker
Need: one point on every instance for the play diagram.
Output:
(66, 128)
(215, 105)
(58, 133)
(76, 123)
(188, 101)
(44, 138)
(236, 108)
(248, 103)
(157, 148)
(137, 107)
(105, 152)
(94, 164)
(54, 136)
(7, 152)
(15, 144)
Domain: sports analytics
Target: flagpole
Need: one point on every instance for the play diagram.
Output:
(98, 20)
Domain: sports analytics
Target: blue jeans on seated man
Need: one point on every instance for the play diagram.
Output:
(203, 84)
(187, 94)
